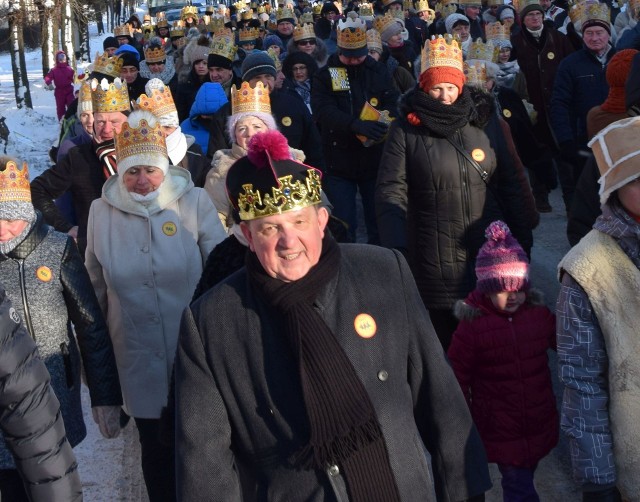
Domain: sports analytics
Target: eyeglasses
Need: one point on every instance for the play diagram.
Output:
(299, 68)
(307, 42)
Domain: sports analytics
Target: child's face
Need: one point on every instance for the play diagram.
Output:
(507, 301)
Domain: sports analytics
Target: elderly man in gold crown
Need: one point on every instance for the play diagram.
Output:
(316, 366)
(86, 167)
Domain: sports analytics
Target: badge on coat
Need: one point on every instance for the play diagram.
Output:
(169, 228)
(506, 113)
(339, 79)
(478, 155)
(44, 274)
(365, 325)
(551, 55)
(374, 101)
(286, 121)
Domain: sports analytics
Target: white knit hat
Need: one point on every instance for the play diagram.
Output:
(140, 144)
(268, 119)
(452, 19)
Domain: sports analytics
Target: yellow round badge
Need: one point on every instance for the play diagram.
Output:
(374, 101)
(44, 274)
(506, 113)
(169, 228)
(365, 325)
(286, 121)
(477, 155)
(551, 55)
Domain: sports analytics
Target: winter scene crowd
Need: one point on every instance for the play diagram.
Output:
(291, 243)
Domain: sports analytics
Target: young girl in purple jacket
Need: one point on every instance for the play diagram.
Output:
(499, 356)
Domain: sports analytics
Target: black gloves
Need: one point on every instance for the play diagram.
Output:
(605, 495)
(371, 129)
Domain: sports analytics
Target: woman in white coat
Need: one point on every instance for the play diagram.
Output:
(148, 238)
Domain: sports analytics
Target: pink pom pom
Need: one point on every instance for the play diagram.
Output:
(272, 143)
(497, 231)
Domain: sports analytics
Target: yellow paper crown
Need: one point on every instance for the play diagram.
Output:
(276, 60)
(634, 8)
(475, 73)
(215, 25)
(246, 15)
(482, 51)
(446, 7)
(247, 99)
(122, 31)
(106, 97)
(521, 4)
(189, 11)
(374, 41)
(365, 10)
(160, 102)
(139, 141)
(381, 23)
(407, 4)
(248, 34)
(589, 11)
(285, 13)
(441, 51)
(303, 32)
(497, 31)
(352, 33)
(162, 23)
(106, 65)
(287, 196)
(261, 9)
(422, 5)
(177, 30)
(14, 183)
(317, 8)
(240, 6)
(155, 55)
(495, 3)
(223, 44)
(84, 97)
(306, 18)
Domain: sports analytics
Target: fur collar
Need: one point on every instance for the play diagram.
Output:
(464, 310)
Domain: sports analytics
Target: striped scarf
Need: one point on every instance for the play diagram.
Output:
(106, 152)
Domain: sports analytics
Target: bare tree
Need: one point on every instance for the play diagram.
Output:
(49, 27)
(16, 16)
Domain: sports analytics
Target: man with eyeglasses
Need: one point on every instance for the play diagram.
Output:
(157, 64)
(130, 71)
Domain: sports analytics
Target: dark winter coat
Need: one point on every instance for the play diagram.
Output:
(29, 415)
(196, 163)
(137, 87)
(186, 94)
(585, 204)
(580, 84)
(539, 62)
(48, 284)
(335, 111)
(433, 203)
(234, 367)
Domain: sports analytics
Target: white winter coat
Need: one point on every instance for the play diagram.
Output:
(144, 263)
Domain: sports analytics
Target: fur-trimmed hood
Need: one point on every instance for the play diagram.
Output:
(477, 304)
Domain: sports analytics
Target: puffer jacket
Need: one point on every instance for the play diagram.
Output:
(500, 360)
(29, 415)
(209, 99)
(49, 286)
(62, 76)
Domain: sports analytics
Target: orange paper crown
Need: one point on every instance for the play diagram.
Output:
(14, 183)
(106, 65)
(138, 142)
(441, 51)
(122, 31)
(352, 33)
(247, 99)
(381, 23)
(155, 55)
(303, 32)
(160, 102)
(249, 34)
(107, 97)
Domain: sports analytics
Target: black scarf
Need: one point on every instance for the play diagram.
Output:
(343, 425)
(106, 153)
(440, 119)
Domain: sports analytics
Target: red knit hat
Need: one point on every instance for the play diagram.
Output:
(441, 74)
(617, 72)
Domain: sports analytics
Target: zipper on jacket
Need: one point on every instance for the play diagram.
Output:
(25, 303)
(464, 177)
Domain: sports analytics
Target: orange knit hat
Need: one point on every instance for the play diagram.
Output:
(441, 74)
(617, 72)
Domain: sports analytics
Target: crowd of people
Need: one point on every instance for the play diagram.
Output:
(191, 255)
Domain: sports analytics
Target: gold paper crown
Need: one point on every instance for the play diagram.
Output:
(106, 97)
(446, 7)
(240, 6)
(634, 7)
(495, 3)
(14, 183)
(276, 60)
(84, 95)
(216, 25)
(223, 44)
(155, 55)
(285, 13)
(306, 18)
(352, 33)
(441, 51)
(248, 99)
(189, 11)
(177, 30)
(317, 9)
(141, 140)
(262, 9)
(160, 102)
(249, 34)
(162, 23)
(303, 32)
(482, 51)
(122, 31)
(497, 31)
(589, 11)
(106, 65)
(475, 73)
(521, 4)
(381, 23)
(374, 41)
(288, 196)
(246, 15)
(422, 5)
(365, 10)
(407, 4)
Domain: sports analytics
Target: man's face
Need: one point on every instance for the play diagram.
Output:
(269, 81)
(330, 15)
(285, 28)
(461, 30)
(288, 245)
(107, 125)
(219, 75)
(111, 51)
(394, 7)
(163, 32)
(472, 11)
(349, 61)
(596, 38)
(533, 20)
(122, 40)
(129, 74)
(545, 4)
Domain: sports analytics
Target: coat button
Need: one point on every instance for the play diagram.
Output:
(145, 249)
(383, 375)
(334, 471)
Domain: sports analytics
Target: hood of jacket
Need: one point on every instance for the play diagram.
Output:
(617, 223)
(478, 304)
(209, 99)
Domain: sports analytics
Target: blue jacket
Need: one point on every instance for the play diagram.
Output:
(209, 99)
(580, 84)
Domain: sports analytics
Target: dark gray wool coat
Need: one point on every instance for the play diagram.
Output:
(240, 410)
(29, 415)
(49, 286)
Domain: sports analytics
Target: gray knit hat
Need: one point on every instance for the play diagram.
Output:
(258, 63)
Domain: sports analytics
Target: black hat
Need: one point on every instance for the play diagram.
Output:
(110, 43)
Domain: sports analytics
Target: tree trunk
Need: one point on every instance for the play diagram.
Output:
(67, 32)
(18, 63)
(82, 22)
(45, 14)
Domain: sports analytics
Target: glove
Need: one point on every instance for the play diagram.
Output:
(610, 494)
(108, 420)
(369, 128)
(49, 87)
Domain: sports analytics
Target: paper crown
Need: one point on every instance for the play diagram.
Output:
(483, 51)
(407, 4)
(160, 102)
(262, 9)
(387, 3)
(14, 183)
(248, 34)
(475, 73)
(582, 12)
(143, 141)
(374, 41)
(223, 44)
(285, 13)
(162, 23)
(240, 6)
(189, 11)
(446, 7)
(248, 99)
(303, 32)
(84, 97)
(216, 25)
(106, 65)
(365, 10)
(381, 23)
(106, 97)
(441, 51)
(422, 5)
(521, 4)
(276, 59)
(306, 18)
(155, 55)
(177, 30)
(246, 15)
(352, 33)
(634, 7)
(495, 3)
(317, 8)
(122, 31)
(497, 31)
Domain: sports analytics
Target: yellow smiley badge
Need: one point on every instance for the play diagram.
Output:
(169, 228)
(365, 325)
(44, 274)
(477, 155)
(506, 113)
(374, 101)
(551, 55)
(286, 121)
